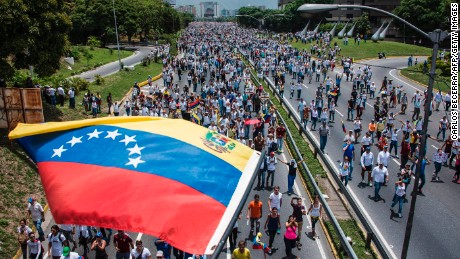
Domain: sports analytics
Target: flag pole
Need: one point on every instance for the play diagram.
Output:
(229, 229)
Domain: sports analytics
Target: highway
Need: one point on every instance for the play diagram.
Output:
(318, 248)
(437, 214)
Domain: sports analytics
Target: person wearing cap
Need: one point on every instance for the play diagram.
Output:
(36, 212)
(367, 160)
(99, 245)
(379, 176)
(122, 243)
(349, 136)
(67, 254)
(141, 252)
(164, 247)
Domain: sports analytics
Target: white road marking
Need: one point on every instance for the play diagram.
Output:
(339, 112)
(434, 147)
(297, 190)
(396, 77)
(139, 236)
(305, 86)
(229, 256)
(366, 214)
(396, 161)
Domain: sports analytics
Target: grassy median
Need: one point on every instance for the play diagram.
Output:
(371, 49)
(349, 227)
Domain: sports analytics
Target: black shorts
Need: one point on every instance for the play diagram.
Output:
(368, 168)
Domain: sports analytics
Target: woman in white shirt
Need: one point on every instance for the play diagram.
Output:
(400, 194)
(35, 247)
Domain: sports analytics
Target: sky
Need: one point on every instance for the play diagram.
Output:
(232, 4)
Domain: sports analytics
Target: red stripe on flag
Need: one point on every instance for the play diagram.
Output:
(124, 199)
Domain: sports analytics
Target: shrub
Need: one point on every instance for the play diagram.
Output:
(93, 42)
(99, 80)
(79, 84)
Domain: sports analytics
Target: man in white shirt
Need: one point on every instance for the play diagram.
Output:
(379, 176)
(271, 166)
(349, 136)
(36, 212)
(367, 160)
(384, 157)
(275, 200)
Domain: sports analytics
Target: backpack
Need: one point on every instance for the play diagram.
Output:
(274, 146)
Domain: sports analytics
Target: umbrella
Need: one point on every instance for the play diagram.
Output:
(252, 122)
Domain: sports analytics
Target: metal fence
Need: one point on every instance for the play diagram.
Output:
(370, 235)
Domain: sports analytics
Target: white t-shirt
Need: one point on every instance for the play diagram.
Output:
(72, 255)
(56, 243)
(145, 253)
(35, 210)
(275, 200)
(379, 174)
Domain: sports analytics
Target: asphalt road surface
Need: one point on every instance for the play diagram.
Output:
(318, 248)
(436, 221)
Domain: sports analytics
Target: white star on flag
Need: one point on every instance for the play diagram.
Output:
(58, 152)
(74, 141)
(135, 150)
(134, 162)
(112, 134)
(94, 134)
(128, 139)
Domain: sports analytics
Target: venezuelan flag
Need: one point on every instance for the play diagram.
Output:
(194, 104)
(267, 117)
(343, 128)
(168, 178)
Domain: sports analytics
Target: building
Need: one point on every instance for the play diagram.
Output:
(209, 10)
(187, 9)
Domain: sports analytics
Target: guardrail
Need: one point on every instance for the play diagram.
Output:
(343, 238)
(370, 236)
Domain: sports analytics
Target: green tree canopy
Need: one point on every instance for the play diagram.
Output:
(427, 15)
(34, 33)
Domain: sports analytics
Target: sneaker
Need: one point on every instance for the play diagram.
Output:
(362, 181)
(278, 231)
(370, 184)
(399, 215)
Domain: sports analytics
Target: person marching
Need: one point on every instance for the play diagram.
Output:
(315, 211)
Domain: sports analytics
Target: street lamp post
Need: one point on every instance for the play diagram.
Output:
(116, 33)
(436, 37)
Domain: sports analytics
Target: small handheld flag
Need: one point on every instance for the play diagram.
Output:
(343, 128)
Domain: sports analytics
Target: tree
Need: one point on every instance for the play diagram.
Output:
(34, 34)
(363, 26)
(427, 15)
